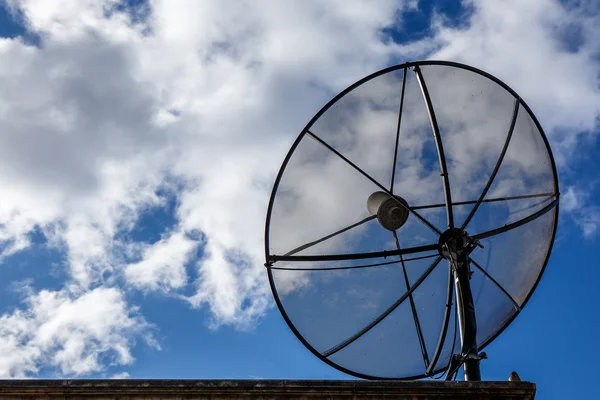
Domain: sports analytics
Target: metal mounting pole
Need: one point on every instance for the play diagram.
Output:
(458, 256)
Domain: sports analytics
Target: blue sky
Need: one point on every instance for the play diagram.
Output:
(138, 175)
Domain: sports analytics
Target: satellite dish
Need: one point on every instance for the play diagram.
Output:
(411, 221)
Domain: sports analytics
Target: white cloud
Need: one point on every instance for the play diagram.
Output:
(75, 333)
(162, 264)
(105, 112)
(589, 222)
(525, 44)
(572, 199)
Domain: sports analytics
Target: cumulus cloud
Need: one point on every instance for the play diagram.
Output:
(111, 107)
(572, 199)
(75, 333)
(162, 264)
(116, 104)
(585, 213)
(589, 221)
(546, 50)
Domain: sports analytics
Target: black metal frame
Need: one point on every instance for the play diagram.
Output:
(444, 330)
(448, 204)
(398, 131)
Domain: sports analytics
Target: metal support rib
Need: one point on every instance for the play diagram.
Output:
(318, 139)
(498, 163)
(324, 238)
(398, 131)
(518, 223)
(462, 203)
(350, 266)
(498, 285)
(387, 312)
(444, 330)
(412, 307)
(439, 145)
(354, 256)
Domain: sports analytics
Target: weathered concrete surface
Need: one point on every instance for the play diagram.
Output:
(132, 389)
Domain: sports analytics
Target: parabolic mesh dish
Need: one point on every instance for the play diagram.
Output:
(464, 151)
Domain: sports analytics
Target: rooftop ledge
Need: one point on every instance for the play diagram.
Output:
(155, 389)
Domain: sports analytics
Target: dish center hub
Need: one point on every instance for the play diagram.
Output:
(451, 241)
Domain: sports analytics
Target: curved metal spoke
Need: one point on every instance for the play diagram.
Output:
(439, 146)
(518, 223)
(497, 167)
(387, 312)
(495, 282)
(532, 205)
(398, 131)
(413, 307)
(444, 330)
(324, 238)
(384, 189)
(352, 266)
(354, 256)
